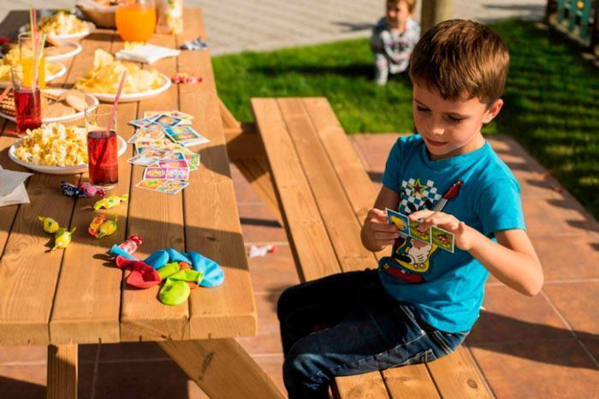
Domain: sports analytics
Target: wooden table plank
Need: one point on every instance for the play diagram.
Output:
(303, 222)
(158, 219)
(86, 274)
(333, 205)
(362, 386)
(410, 382)
(28, 271)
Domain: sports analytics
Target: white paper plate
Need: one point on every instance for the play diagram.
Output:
(135, 96)
(75, 49)
(58, 170)
(49, 77)
(91, 101)
(74, 37)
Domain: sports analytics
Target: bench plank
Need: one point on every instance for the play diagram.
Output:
(333, 205)
(456, 376)
(302, 219)
(362, 386)
(410, 382)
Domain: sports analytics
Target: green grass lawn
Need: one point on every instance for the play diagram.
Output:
(552, 96)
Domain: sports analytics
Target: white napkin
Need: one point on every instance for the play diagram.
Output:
(147, 53)
(12, 189)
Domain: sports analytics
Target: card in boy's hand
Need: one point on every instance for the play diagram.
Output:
(172, 186)
(442, 239)
(400, 220)
(417, 234)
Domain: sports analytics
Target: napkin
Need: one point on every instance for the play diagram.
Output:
(12, 189)
(148, 53)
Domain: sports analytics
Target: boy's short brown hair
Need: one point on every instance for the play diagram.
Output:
(410, 3)
(458, 58)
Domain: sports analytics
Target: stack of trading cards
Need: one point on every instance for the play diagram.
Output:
(161, 142)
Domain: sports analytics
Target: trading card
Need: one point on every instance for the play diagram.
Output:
(400, 220)
(167, 120)
(414, 232)
(141, 160)
(172, 186)
(143, 122)
(150, 184)
(443, 239)
(181, 130)
(172, 164)
(155, 174)
(177, 174)
(154, 126)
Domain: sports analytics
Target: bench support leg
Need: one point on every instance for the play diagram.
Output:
(62, 372)
(222, 368)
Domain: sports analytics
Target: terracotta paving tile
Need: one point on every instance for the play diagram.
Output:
(579, 303)
(510, 150)
(566, 258)
(29, 382)
(539, 370)
(144, 380)
(268, 340)
(592, 345)
(545, 217)
(513, 317)
(259, 225)
(273, 366)
(275, 271)
(244, 193)
(131, 351)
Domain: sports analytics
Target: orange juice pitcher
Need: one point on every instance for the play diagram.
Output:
(136, 21)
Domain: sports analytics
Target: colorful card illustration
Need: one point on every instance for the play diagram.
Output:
(155, 174)
(177, 174)
(443, 239)
(400, 220)
(415, 233)
(146, 134)
(150, 184)
(167, 120)
(143, 122)
(186, 119)
(181, 163)
(140, 160)
(185, 135)
(172, 186)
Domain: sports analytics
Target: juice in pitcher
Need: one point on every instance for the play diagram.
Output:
(136, 22)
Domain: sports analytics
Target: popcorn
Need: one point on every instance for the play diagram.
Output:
(54, 145)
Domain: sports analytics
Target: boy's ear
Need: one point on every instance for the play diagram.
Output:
(492, 111)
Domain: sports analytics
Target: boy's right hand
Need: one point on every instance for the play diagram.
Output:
(377, 231)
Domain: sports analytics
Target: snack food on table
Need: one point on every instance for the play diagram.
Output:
(50, 225)
(106, 74)
(81, 190)
(90, 191)
(70, 190)
(110, 202)
(12, 57)
(62, 238)
(108, 227)
(94, 226)
(62, 23)
(54, 145)
(131, 244)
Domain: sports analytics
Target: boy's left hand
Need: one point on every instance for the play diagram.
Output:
(464, 235)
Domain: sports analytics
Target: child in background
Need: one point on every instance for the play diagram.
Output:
(422, 301)
(393, 39)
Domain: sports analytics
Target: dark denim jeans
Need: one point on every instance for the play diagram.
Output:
(360, 328)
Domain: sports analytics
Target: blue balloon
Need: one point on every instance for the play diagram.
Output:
(116, 251)
(157, 259)
(213, 273)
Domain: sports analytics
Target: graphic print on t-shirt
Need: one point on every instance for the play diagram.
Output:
(410, 258)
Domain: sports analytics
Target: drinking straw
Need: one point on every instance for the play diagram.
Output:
(116, 100)
(5, 92)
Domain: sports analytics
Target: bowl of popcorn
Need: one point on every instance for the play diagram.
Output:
(55, 149)
(63, 27)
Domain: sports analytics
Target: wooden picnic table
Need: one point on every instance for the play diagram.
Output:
(77, 296)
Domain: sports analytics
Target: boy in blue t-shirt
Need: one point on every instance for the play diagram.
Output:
(423, 300)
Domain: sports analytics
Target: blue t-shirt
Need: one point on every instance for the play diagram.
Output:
(447, 288)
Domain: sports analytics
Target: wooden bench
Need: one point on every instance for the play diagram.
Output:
(324, 193)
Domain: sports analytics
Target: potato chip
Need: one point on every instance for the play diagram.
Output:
(106, 74)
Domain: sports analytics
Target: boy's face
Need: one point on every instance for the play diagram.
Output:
(450, 127)
(397, 13)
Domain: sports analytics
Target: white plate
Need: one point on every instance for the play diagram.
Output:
(75, 37)
(58, 170)
(49, 77)
(75, 49)
(135, 96)
(91, 101)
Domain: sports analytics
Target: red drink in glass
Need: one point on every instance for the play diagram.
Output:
(28, 108)
(102, 155)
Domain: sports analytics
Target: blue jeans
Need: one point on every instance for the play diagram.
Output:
(347, 324)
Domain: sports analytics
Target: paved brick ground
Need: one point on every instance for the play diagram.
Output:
(237, 25)
(542, 347)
